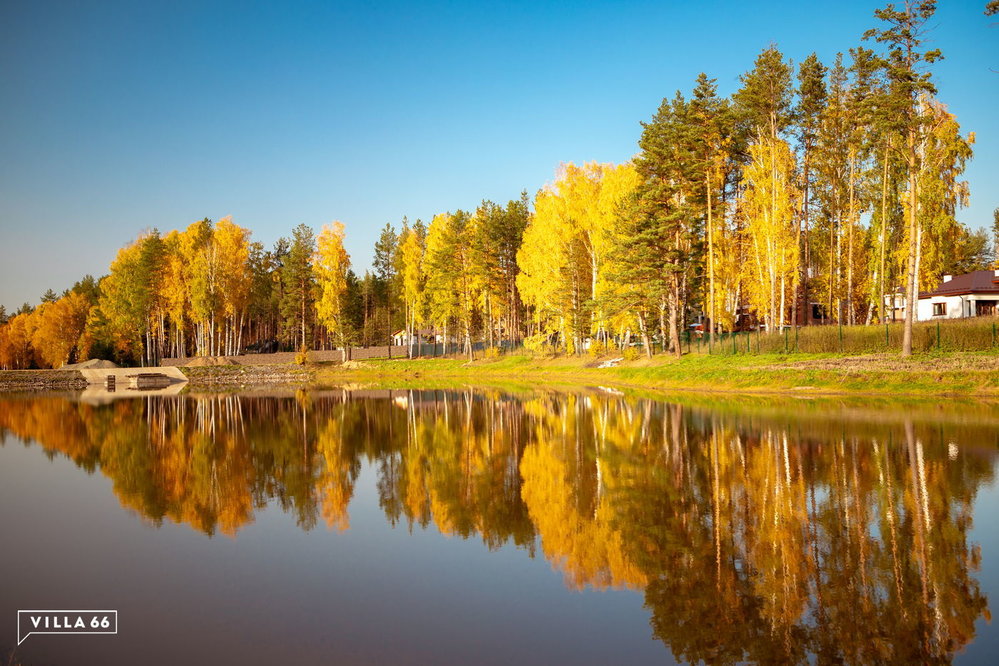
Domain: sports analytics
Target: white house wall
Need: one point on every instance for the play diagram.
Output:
(957, 307)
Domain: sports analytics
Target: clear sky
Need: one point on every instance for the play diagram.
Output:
(121, 116)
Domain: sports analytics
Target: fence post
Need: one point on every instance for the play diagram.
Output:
(938, 335)
(887, 344)
(736, 351)
(840, 336)
(993, 334)
(785, 340)
(796, 349)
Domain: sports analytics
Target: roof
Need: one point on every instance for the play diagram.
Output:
(976, 282)
(422, 331)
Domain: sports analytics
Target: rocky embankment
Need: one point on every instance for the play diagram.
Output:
(245, 376)
(198, 376)
(41, 380)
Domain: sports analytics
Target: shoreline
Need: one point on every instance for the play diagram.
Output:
(950, 374)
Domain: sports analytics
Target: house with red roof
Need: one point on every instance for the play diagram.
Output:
(974, 294)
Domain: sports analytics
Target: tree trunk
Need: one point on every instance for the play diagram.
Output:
(674, 316)
(489, 312)
(780, 313)
(239, 340)
(849, 253)
(910, 279)
(644, 328)
(919, 257)
(711, 266)
(882, 278)
(803, 232)
(303, 316)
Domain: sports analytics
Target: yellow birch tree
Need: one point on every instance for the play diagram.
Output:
(233, 256)
(768, 203)
(330, 265)
(413, 282)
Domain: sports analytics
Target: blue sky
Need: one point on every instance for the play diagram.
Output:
(120, 116)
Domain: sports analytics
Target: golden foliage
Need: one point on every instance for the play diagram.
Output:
(330, 264)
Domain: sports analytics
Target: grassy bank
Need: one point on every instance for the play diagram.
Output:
(969, 374)
(949, 373)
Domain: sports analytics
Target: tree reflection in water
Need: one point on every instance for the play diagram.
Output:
(768, 534)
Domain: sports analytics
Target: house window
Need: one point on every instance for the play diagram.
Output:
(939, 309)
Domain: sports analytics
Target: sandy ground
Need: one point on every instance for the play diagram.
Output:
(92, 364)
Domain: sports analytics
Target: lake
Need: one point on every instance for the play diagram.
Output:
(487, 526)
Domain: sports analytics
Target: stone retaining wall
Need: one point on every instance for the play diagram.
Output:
(327, 355)
(318, 356)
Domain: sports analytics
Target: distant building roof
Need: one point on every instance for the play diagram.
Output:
(422, 331)
(976, 282)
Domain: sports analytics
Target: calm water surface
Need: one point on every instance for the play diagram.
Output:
(487, 527)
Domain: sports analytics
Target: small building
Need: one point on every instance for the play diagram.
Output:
(974, 294)
(894, 305)
(423, 336)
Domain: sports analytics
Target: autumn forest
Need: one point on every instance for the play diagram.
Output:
(804, 198)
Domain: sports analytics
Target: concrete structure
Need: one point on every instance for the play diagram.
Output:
(127, 377)
(973, 294)
(99, 395)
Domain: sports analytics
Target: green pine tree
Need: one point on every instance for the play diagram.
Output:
(299, 287)
(811, 101)
(905, 66)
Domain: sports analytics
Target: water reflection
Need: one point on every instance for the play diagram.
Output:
(775, 534)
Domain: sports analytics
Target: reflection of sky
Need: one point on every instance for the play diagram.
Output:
(276, 594)
(984, 532)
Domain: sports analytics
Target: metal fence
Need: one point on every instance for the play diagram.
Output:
(975, 334)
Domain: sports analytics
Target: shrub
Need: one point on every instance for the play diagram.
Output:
(302, 355)
(536, 343)
(570, 346)
(631, 353)
(493, 352)
(597, 348)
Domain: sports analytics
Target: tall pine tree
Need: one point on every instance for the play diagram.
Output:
(299, 288)
(905, 66)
